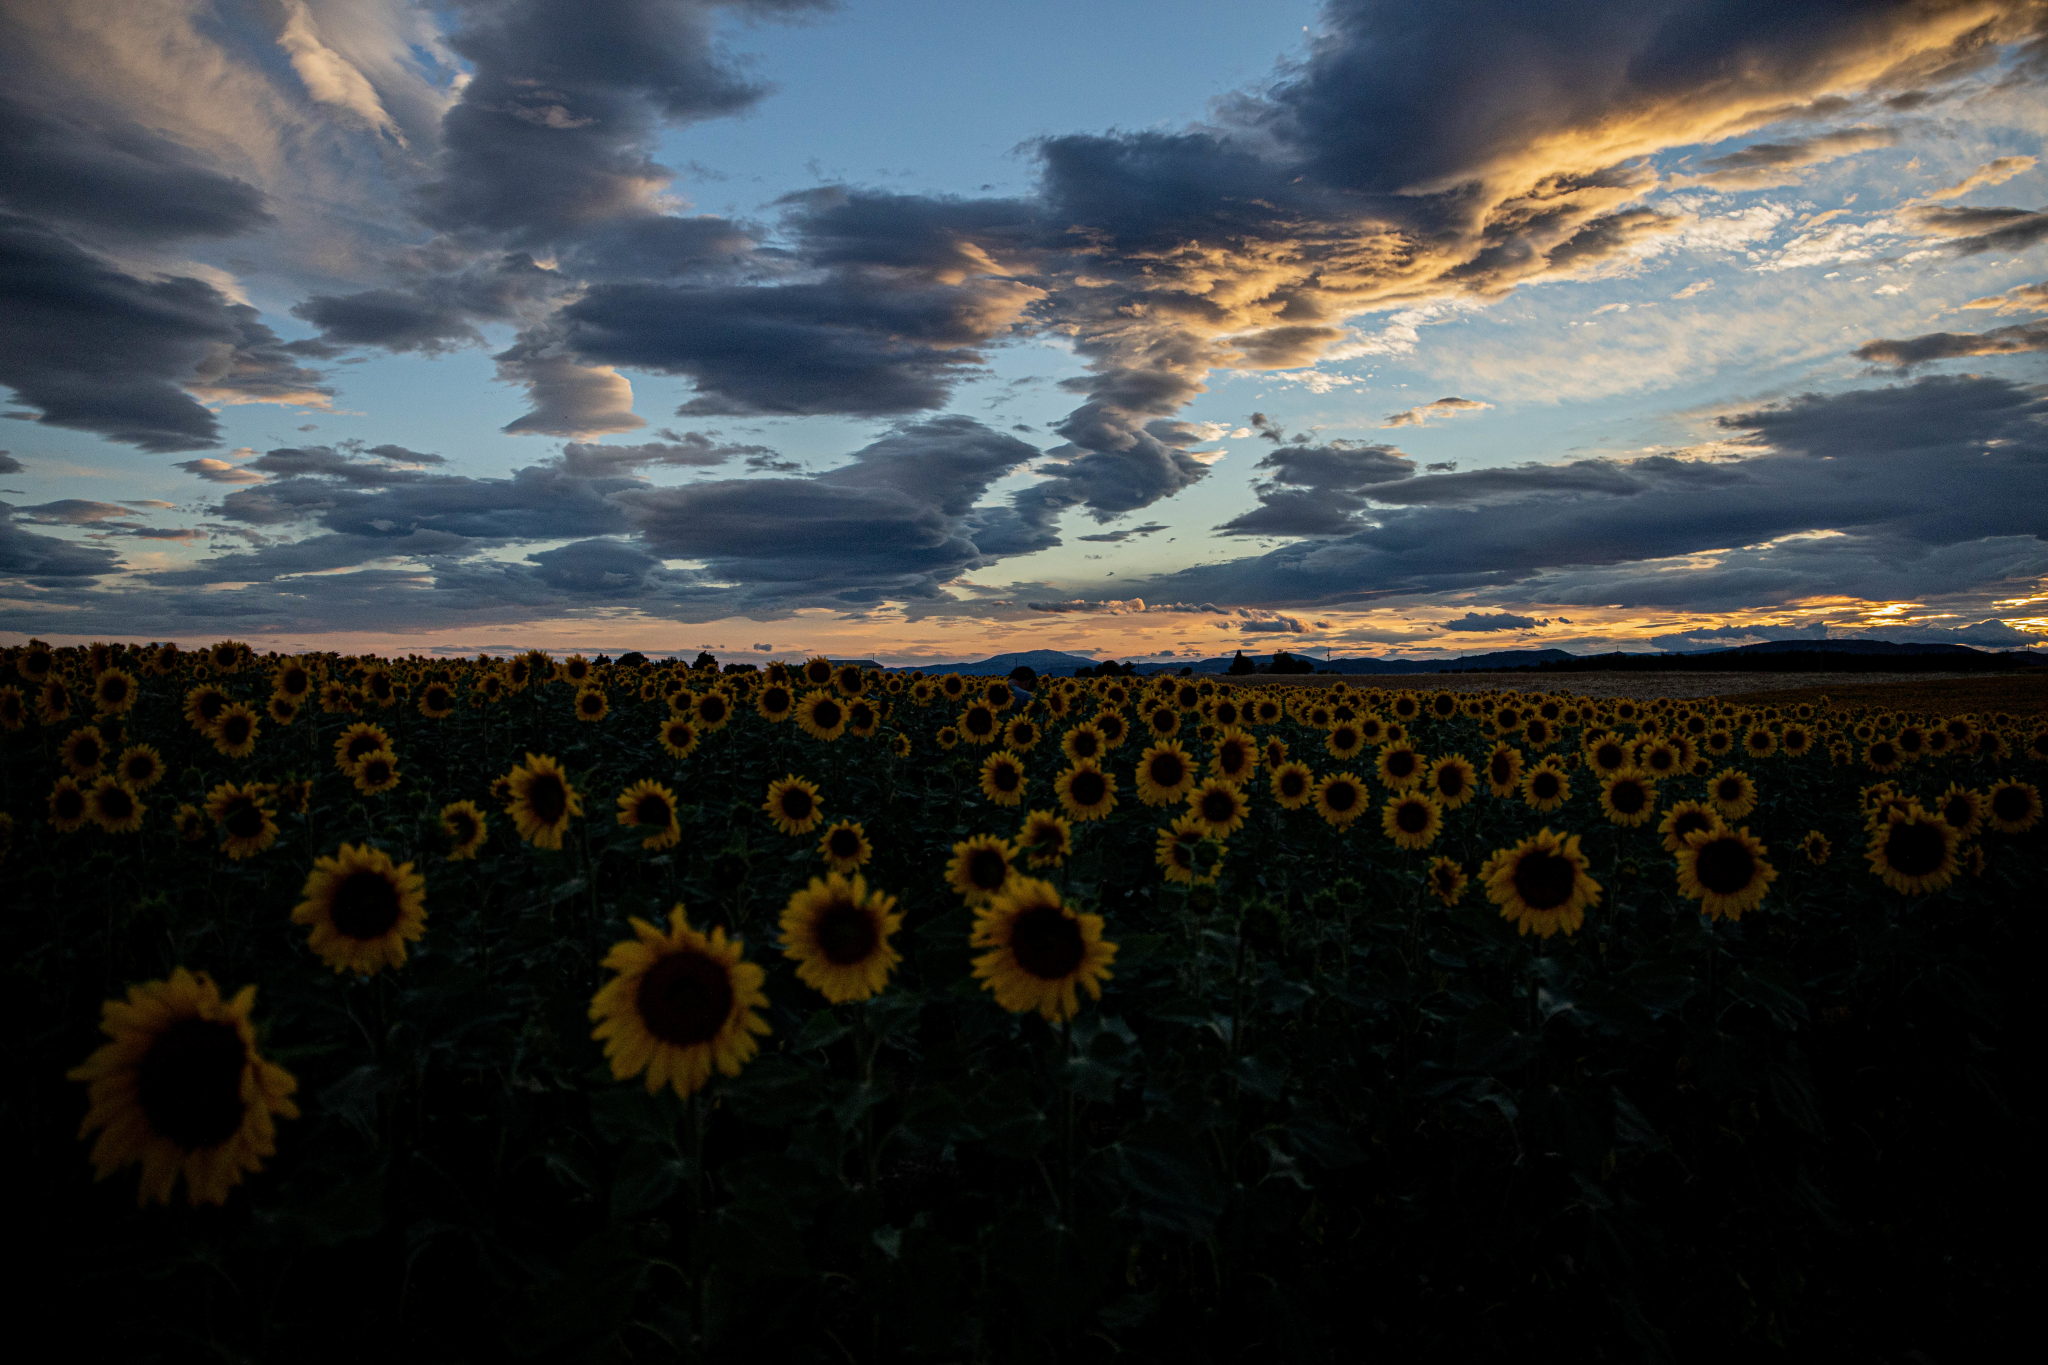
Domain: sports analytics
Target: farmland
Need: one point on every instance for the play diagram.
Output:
(622, 1010)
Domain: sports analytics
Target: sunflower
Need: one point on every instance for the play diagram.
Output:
(1660, 758)
(837, 932)
(240, 815)
(1412, 820)
(83, 751)
(1400, 768)
(650, 806)
(946, 737)
(1962, 808)
(1179, 851)
(356, 741)
(234, 731)
(1882, 756)
(1683, 819)
(13, 710)
(1732, 793)
(1086, 792)
(1451, 781)
(466, 827)
(1344, 740)
(682, 1003)
(1039, 951)
(591, 704)
(181, 1090)
(139, 767)
(377, 773)
(1912, 742)
(437, 701)
(362, 909)
(1340, 799)
(862, 716)
(980, 867)
(1162, 721)
(1541, 884)
(1165, 774)
(35, 663)
(1292, 784)
(711, 710)
(1219, 806)
(1273, 753)
(542, 801)
(1504, 770)
(845, 846)
(114, 691)
(816, 671)
(1266, 711)
(1022, 734)
(1538, 733)
(293, 680)
(1628, 799)
(1796, 741)
(2013, 807)
(1447, 880)
(1002, 779)
(1725, 870)
(1816, 847)
(1913, 851)
(1236, 756)
(979, 723)
(113, 807)
(1545, 788)
(1115, 729)
(1759, 742)
(1083, 743)
(679, 736)
(792, 803)
(336, 699)
(900, 746)
(574, 670)
(190, 822)
(952, 687)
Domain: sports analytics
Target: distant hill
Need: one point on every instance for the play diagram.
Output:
(1037, 660)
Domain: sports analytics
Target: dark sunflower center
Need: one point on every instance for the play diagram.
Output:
(1544, 880)
(235, 729)
(115, 690)
(1168, 770)
(1914, 848)
(190, 1083)
(70, 804)
(1085, 745)
(1400, 763)
(1293, 784)
(1729, 790)
(796, 804)
(86, 754)
(846, 934)
(1005, 777)
(138, 769)
(1502, 769)
(244, 819)
(366, 905)
(1023, 732)
(592, 703)
(1451, 780)
(1882, 753)
(1608, 756)
(712, 709)
(1412, 817)
(1544, 784)
(1163, 719)
(116, 803)
(980, 721)
(1341, 796)
(652, 810)
(462, 826)
(1662, 758)
(2010, 804)
(1628, 797)
(860, 715)
(1957, 811)
(1112, 728)
(1725, 866)
(1345, 737)
(844, 843)
(1218, 808)
(1047, 943)
(1088, 787)
(548, 798)
(363, 744)
(988, 869)
(1912, 741)
(685, 998)
(826, 714)
(776, 699)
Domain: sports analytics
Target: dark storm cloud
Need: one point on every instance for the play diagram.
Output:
(1936, 481)
(897, 520)
(437, 313)
(685, 450)
(31, 555)
(1113, 537)
(1317, 490)
(1498, 620)
(94, 348)
(1764, 164)
(1974, 231)
(74, 512)
(553, 130)
(9, 465)
(110, 175)
(1906, 352)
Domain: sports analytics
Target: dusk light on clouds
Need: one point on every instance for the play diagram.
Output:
(918, 331)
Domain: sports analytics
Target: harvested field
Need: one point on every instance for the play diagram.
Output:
(2018, 693)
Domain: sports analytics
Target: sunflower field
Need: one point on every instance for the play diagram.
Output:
(567, 1009)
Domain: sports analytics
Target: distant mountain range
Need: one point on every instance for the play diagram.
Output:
(1795, 655)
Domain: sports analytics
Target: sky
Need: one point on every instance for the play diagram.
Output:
(918, 331)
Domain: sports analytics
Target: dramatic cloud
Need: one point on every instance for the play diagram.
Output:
(2021, 298)
(1499, 620)
(219, 471)
(1442, 407)
(1990, 173)
(1906, 352)
(1317, 490)
(38, 558)
(685, 450)
(1974, 231)
(1762, 165)
(8, 464)
(97, 349)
